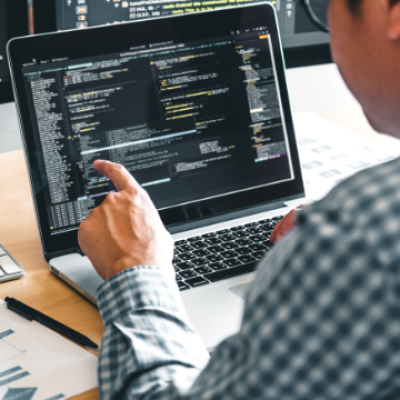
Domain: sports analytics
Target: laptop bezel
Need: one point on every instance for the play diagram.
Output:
(56, 45)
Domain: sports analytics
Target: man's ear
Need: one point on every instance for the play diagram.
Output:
(393, 28)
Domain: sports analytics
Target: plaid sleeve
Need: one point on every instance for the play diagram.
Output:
(148, 341)
(325, 327)
(321, 320)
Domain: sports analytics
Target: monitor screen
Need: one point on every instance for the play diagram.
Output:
(13, 23)
(4, 74)
(190, 120)
(297, 29)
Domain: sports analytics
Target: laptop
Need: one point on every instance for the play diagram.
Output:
(196, 107)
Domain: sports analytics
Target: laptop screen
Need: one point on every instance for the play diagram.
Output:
(192, 120)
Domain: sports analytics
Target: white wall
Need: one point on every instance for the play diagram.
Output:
(318, 88)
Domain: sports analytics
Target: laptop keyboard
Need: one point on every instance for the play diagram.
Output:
(223, 254)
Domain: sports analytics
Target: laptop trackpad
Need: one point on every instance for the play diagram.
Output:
(239, 290)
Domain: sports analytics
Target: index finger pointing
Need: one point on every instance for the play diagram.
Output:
(121, 178)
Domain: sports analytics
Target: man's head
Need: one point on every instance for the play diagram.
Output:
(365, 42)
(354, 4)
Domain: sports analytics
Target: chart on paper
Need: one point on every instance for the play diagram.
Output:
(39, 364)
(330, 153)
(8, 351)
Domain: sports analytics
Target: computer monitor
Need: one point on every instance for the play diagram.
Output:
(303, 41)
(13, 22)
(201, 118)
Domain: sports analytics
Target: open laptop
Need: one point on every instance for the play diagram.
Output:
(196, 107)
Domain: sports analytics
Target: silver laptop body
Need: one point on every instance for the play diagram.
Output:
(220, 154)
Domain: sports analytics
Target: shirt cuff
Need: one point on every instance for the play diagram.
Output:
(139, 288)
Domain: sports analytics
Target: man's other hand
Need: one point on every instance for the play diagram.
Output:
(284, 226)
(125, 230)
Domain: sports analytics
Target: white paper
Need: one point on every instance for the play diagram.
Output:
(37, 363)
(330, 153)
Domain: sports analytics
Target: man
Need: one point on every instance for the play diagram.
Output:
(322, 319)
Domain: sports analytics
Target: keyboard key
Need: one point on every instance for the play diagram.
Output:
(176, 269)
(184, 265)
(175, 260)
(223, 232)
(218, 266)
(267, 228)
(257, 239)
(255, 231)
(203, 270)
(194, 239)
(267, 248)
(265, 221)
(199, 245)
(237, 228)
(259, 255)
(233, 262)
(199, 262)
(277, 218)
(229, 254)
(214, 258)
(184, 248)
(187, 256)
(180, 242)
(251, 224)
(178, 278)
(227, 238)
(213, 241)
(215, 249)
(9, 266)
(231, 272)
(209, 235)
(230, 246)
(246, 259)
(201, 253)
(197, 281)
(269, 245)
(257, 247)
(244, 242)
(241, 234)
(182, 286)
(187, 274)
(243, 250)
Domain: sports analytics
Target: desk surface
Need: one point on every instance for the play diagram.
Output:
(19, 235)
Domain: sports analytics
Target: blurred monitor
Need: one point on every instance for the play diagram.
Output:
(3, 40)
(303, 41)
(13, 22)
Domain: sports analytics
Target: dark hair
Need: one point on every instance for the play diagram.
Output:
(354, 4)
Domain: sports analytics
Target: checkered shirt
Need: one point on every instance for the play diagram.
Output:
(321, 321)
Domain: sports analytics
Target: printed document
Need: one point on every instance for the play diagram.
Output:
(37, 363)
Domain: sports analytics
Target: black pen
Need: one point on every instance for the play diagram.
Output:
(32, 314)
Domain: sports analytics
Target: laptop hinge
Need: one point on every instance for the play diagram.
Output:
(187, 226)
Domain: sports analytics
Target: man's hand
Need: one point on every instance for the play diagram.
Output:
(125, 230)
(284, 226)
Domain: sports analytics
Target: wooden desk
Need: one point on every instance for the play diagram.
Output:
(19, 235)
(39, 288)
